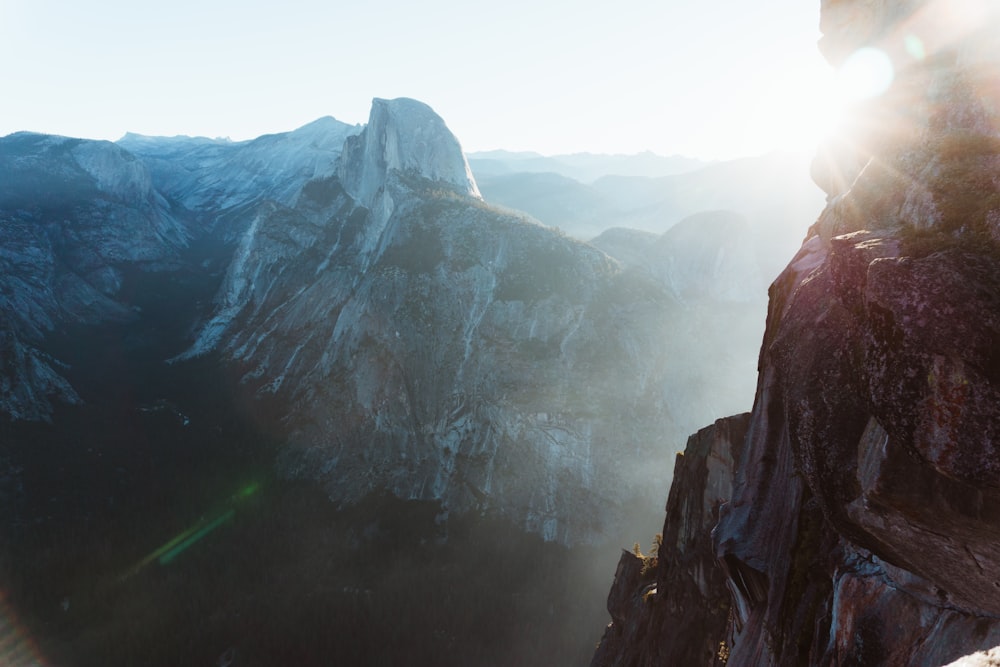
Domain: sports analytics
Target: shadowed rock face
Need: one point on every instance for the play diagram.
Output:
(673, 610)
(877, 402)
(74, 216)
(863, 524)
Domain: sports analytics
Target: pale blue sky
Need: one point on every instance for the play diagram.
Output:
(713, 79)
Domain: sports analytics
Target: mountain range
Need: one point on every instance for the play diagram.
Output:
(404, 334)
(773, 192)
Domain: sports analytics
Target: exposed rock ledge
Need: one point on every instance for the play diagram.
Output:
(864, 519)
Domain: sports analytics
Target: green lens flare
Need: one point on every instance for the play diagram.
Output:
(915, 47)
(184, 541)
(173, 553)
(247, 491)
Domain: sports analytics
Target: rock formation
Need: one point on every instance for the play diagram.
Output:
(402, 136)
(393, 330)
(74, 215)
(863, 523)
(414, 339)
(671, 608)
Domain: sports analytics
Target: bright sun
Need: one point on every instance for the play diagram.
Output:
(807, 104)
(794, 108)
(802, 104)
(866, 73)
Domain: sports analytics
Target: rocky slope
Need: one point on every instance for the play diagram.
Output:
(393, 329)
(219, 182)
(412, 338)
(862, 524)
(75, 217)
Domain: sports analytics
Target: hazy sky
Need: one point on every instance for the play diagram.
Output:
(713, 79)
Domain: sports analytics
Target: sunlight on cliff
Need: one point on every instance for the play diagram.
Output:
(880, 90)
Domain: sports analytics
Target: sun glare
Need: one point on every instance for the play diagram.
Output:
(867, 73)
(818, 105)
(794, 108)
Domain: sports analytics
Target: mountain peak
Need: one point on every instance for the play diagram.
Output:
(403, 135)
(323, 125)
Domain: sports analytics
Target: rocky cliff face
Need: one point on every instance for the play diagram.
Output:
(403, 136)
(672, 607)
(415, 339)
(78, 218)
(862, 524)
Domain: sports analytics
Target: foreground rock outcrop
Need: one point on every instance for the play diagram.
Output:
(671, 607)
(863, 523)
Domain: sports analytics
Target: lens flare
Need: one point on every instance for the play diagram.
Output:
(866, 73)
(183, 545)
(915, 47)
(188, 538)
(17, 648)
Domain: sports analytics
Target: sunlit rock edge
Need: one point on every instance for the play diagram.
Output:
(862, 523)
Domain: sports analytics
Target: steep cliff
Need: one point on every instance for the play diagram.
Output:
(411, 338)
(671, 607)
(863, 520)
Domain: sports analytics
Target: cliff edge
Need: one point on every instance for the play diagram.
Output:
(865, 505)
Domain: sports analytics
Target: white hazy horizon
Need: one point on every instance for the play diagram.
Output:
(714, 80)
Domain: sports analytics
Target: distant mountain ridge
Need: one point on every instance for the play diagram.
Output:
(220, 177)
(773, 192)
(583, 167)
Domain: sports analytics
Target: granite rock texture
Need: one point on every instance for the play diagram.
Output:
(863, 521)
